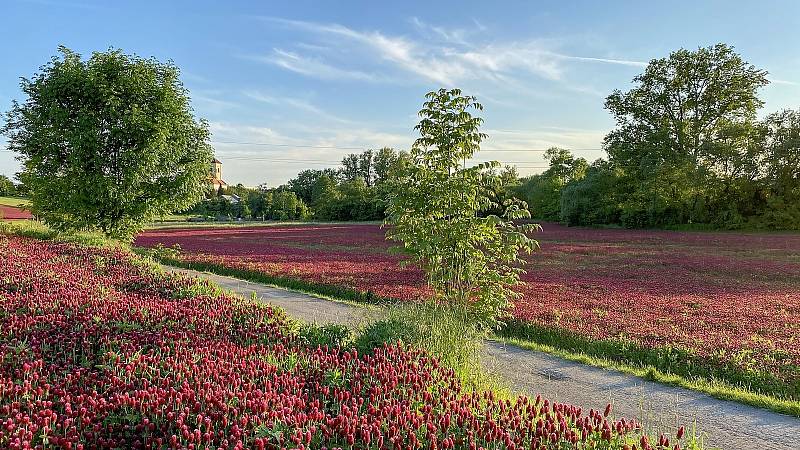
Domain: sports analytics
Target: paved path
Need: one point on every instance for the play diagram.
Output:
(726, 425)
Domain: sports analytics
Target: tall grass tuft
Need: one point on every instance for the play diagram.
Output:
(446, 331)
(37, 230)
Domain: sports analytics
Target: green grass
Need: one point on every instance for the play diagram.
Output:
(669, 366)
(37, 230)
(445, 331)
(13, 201)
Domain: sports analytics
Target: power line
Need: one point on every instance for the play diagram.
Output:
(270, 144)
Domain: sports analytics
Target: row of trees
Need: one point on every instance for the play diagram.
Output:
(356, 191)
(253, 204)
(688, 149)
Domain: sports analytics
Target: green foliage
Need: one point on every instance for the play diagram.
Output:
(436, 211)
(593, 198)
(357, 191)
(684, 138)
(303, 184)
(253, 204)
(7, 187)
(444, 330)
(285, 205)
(108, 143)
(542, 192)
(388, 163)
(687, 150)
(332, 335)
(37, 230)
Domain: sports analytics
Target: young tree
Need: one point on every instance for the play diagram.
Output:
(435, 212)
(108, 143)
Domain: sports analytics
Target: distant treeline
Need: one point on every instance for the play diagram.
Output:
(688, 150)
(356, 191)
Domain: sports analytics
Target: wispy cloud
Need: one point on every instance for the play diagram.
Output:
(310, 66)
(783, 82)
(293, 102)
(209, 101)
(623, 62)
(449, 59)
(454, 35)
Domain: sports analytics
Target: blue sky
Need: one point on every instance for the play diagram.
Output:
(323, 79)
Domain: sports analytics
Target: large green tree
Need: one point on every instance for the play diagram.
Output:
(108, 143)
(683, 134)
(437, 211)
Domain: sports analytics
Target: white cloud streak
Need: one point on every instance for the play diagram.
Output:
(783, 82)
(454, 61)
(296, 103)
(312, 67)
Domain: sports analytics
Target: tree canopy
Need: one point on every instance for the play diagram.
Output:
(108, 143)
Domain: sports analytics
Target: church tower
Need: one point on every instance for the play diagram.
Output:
(216, 175)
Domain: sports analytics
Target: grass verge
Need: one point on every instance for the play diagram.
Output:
(36, 230)
(13, 201)
(670, 366)
(445, 331)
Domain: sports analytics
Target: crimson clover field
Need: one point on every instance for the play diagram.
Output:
(97, 350)
(720, 298)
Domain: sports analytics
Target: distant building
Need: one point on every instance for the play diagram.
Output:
(233, 199)
(216, 175)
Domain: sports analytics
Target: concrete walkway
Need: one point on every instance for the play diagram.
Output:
(725, 425)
